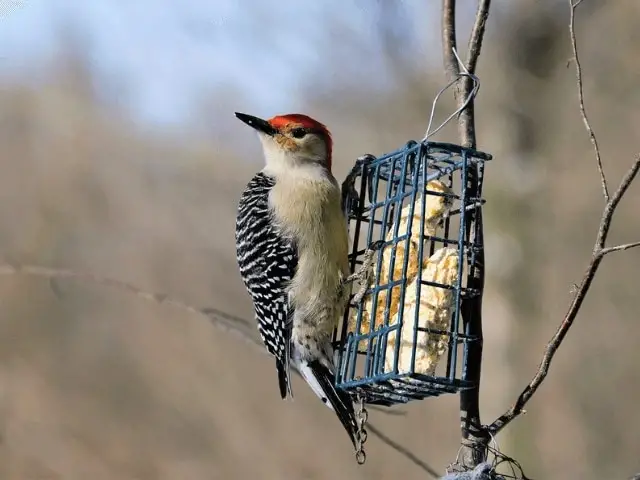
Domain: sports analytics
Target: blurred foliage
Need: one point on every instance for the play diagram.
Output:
(97, 384)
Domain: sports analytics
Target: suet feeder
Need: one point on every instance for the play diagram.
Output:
(404, 339)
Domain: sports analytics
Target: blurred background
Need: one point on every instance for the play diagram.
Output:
(120, 155)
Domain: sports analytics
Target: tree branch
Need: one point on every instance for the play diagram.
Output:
(619, 248)
(234, 325)
(477, 35)
(599, 249)
(402, 450)
(583, 113)
(225, 321)
(466, 121)
(451, 67)
(610, 207)
(474, 438)
(598, 254)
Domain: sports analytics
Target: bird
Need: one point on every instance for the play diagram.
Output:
(292, 252)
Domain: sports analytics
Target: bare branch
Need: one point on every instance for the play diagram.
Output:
(387, 411)
(477, 35)
(585, 119)
(403, 451)
(474, 438)
(226, 322)
(451, 67)
(599, 249)
(619, 248)
(466, 122)
(612, 204)
(552, 347)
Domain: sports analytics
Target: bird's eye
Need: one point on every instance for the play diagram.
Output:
(298, 132)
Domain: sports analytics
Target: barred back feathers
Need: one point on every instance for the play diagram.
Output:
(267, 262)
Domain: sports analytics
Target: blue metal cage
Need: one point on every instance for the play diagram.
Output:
(405, 340)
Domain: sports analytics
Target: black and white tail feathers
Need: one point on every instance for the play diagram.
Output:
(284, 376)
(283, 380)
(320, 379)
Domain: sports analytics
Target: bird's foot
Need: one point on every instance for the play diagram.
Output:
(364, 272)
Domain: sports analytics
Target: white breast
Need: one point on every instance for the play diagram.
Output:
(307, 205)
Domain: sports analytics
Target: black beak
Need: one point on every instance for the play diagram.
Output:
(257, 123)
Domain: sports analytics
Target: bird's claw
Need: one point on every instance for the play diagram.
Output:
(364, 272)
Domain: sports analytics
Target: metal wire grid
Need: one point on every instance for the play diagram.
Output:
(386, 184)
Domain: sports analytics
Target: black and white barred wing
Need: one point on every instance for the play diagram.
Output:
(267, 262)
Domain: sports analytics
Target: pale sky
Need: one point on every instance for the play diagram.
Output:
(167, 53)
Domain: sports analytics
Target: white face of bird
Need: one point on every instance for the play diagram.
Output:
(292, 141)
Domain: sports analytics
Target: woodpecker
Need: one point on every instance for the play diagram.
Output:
(292, 246)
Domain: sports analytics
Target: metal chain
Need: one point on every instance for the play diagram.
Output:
(362, 415)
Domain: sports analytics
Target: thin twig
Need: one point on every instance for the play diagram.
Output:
(619, 248)
(599, 249)
(611, 206)
(598, 254)
(387, 411)
(403, 451)
(226, 322)
(580, 87)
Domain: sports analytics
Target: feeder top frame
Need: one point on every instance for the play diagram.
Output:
(441, 152)
(437, 147)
